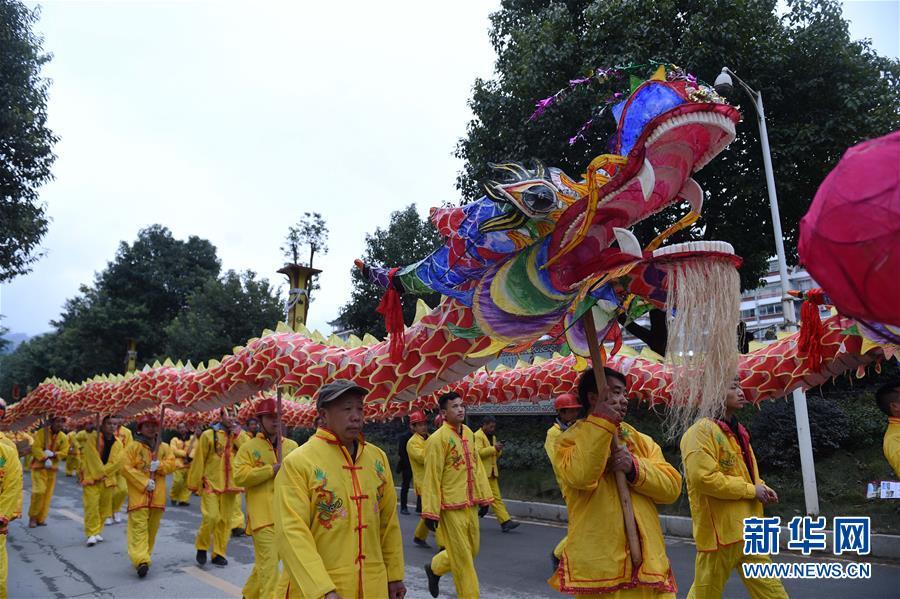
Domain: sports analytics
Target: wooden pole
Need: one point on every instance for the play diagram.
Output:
(631, 532)
(278, 430)
(158, 440)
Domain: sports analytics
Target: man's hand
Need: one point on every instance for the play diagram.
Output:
(622, 460)
(606, 412)
(773, 496)
(396, 590)
(48, 464)
(431, 525)
(498, 445)
(275, 468)
(482, 511)
(154, 465)
(48, 454)
(151, 485)
(332, 595)
(763, 495)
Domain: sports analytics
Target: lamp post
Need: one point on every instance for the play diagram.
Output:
(724, 86)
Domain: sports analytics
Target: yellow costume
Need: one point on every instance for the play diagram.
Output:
(595, 561)
(721, 481)
(72, 456)
(550, 447)
(43, 478)
(237, 514)
(211, 476)
(253, 471)
(123, 434)
(336, 526)
(180, 493)
(145, 508)
(489, 454)
(415, 449)
(98, 478)
(892, 444)
(455, 483)
(23, 442)
(10, 502)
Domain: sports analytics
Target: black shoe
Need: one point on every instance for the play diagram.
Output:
(219, 560)
(201, 556)
(404, 511)
(433, 581)
(142, 570)
(184, 504)
(555, 561)
(237, 532)
(509, 525)
(172, 501)
(421, 543)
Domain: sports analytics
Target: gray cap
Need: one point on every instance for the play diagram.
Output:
(331, 391)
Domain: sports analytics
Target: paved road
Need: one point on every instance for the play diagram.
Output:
(53, 562)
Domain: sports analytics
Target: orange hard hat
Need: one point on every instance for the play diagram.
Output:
(416, 417)
(438, 420)
(148, 419)
(266, 406)
(566, 401)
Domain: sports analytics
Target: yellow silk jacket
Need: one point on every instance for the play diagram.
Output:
(892, 445)
(415, 449)
(553, 434)
(721, 488)
(488, 454)
(454, 475)
(212, 467)
(596, 558)
(253, 471)
(73, 447)
(136, 468)
(92, 468)
(10, 485)
(180, 449)
(336, 526)
(124, 435)
(58, 443)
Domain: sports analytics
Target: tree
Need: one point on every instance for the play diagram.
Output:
(224, 313)
(311, 231)
(26, 143)
(406, 240)
(822, 91)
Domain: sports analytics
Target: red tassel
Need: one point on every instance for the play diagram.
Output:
(811, 330)
(392, 310)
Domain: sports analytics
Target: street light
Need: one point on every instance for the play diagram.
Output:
(724, 86)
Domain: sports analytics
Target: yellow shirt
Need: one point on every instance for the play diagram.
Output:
(596, 558)
(454, 475)
(58, 444)
(892, 444)
(22, 440)
(253, 471)
(73, 447)
(336, 526)
(180, 449)
(721, 489)
(10, 485)
(136, 468)
(7, 441)
(488, 454)
(93, 470)
(415, 449)
(124, 436)
(553, 434)
(212, 468)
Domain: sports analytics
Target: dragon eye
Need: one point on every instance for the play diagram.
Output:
(539, 199)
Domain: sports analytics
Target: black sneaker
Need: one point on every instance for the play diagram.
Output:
(555, 561)
(237, 532)
(201, 556)
(433, 581)
(142, 570)
(404, 511)
(509, 525)
(184, 504)
(219, 560)
(421, 543)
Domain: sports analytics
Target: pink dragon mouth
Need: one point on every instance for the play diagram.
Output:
(673, 146)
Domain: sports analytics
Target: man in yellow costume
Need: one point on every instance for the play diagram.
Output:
(596, 561)
(724, 487)
(489, 449)
(146, 464)
(336, 526)
(255, 467)
(237, 522)
(211, 475)
(72, 455)
(101, 461)
(50, 444)
(455, 485)
(888, 400)
(123, 434)
(181, 447)
(10, 501)
(415, 450)
(567, 408)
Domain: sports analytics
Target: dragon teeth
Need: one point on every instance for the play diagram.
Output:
(721, 247)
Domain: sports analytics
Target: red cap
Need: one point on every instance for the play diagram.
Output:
(565, 401)
(438, 420)
(416, 417)
(148, 419)
(266, 406)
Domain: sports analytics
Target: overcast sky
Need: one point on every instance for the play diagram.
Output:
(229, 120)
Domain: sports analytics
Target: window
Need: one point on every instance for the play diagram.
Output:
(770, 310)
(748, 313)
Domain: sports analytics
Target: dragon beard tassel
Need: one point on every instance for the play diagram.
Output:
(392, 310)
(703, 307)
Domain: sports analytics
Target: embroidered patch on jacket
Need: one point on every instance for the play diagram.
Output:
(453, 457)
(328, 507)
(379, 493)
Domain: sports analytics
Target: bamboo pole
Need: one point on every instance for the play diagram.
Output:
(631, 532)
(278, 430)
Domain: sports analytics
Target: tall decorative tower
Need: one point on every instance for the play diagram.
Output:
(300, 279)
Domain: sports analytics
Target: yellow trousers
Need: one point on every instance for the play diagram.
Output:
(712, 570)
(421, 531)
(119, 494)
(4, 567)
(237, 514)
(558, 550)
(264, 577)
(461, 537)
(143, 525)
(217, 511)
(498, 506)
(179, 491)
(96, 499)
(71, 464)
(42, 484)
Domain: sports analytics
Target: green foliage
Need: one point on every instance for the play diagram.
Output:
(822, 93)
(310, 231)
(26, 144)
(406, 240)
